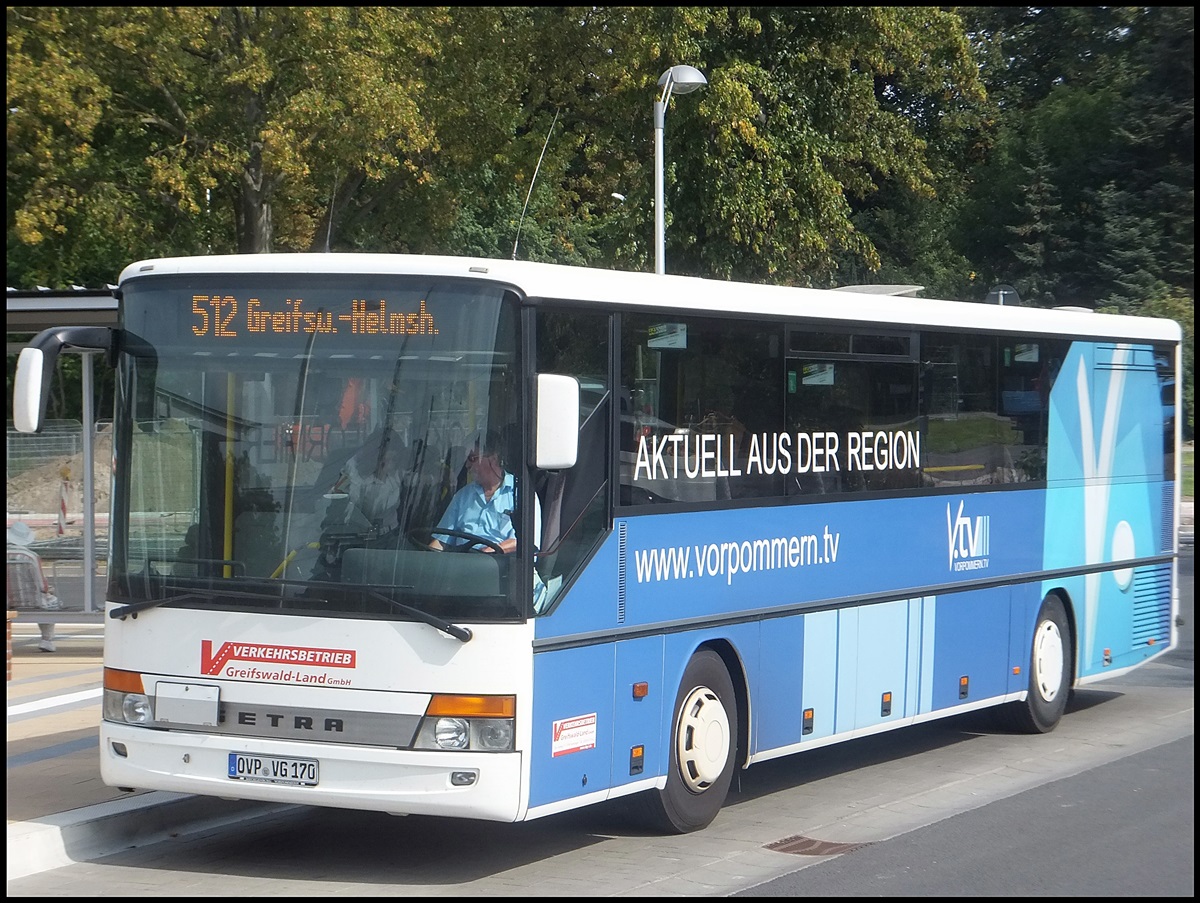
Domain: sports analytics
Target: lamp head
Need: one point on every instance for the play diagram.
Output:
(683, 79)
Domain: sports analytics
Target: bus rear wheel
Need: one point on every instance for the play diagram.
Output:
(1049, 674)
(703, 749)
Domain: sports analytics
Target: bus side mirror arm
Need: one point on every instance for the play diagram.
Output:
(556, 429)
(35, 367)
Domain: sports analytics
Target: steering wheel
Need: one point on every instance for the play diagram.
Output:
(473, 540)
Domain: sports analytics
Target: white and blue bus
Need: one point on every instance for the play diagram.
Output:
(752, 520)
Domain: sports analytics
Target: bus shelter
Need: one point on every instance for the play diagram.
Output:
(27, 313)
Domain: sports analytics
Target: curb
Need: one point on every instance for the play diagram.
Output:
(93, 832)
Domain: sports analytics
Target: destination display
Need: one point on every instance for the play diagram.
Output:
(249, 314)
(227, 317)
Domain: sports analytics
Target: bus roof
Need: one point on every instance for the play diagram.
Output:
(650, 291)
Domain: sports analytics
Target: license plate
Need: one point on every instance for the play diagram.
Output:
(273, 769)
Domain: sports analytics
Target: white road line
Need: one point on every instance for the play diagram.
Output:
(53, 701)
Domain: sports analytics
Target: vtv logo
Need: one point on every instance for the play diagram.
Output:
(968, 542)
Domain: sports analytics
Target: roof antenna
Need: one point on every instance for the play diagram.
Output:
(520, 222)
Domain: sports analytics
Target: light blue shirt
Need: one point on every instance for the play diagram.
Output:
(471, 512)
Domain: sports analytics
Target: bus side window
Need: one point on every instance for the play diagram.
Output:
(960, 395)
(575, 501)
(694, 387)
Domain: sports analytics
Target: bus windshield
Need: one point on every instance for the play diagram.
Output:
(291, 442)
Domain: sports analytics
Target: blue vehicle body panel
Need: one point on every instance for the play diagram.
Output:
(830, 606)
(1109, 500)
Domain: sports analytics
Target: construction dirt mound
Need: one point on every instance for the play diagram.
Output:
(36, 494)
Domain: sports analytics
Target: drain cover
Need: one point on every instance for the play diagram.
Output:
(809, 846)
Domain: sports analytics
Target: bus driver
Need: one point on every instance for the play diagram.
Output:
(485, 505)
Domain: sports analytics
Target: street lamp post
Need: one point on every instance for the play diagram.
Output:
(678, 80)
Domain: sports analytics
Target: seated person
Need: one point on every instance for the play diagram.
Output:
(484, 507)
(373, 479)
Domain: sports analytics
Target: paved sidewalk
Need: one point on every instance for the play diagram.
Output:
(59, 811)
(53, 717)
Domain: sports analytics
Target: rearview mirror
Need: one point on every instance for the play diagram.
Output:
(556, 435)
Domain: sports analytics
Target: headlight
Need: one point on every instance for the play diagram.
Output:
(129, 708)
(477, 723)
(492, 734)
(452, 733)
(125, 699)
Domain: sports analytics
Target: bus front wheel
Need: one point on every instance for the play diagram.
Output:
(1049, 674)
(703, 749)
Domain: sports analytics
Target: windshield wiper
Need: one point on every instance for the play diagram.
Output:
(462, 634)
(134, 607)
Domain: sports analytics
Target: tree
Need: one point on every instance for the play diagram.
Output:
(145, 131)
(1181, 307)
(180, 130)
(1037, 241)
(519, 91)
(810, 111)
(1107, 94)
(832, 144)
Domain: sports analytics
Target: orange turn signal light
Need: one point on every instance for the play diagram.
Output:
(123, 681)
(472, 706)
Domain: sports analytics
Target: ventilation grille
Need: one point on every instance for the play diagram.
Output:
(1168, 517)
(622, 538)
(1152, 604)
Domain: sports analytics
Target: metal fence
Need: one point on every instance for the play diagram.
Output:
(25, 451)
(46, 579)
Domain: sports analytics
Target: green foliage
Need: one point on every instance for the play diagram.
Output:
(1180, 307)
(1036, 240)
(1096, 119)
(954, 148)
(810, 110)
(211, 129)
(146, 131)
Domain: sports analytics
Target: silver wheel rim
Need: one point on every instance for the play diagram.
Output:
(1048, 660)
(702, 740)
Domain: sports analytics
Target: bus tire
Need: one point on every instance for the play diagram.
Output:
(703, 747)
(1049, 674)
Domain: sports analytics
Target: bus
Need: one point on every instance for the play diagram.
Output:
(751, 521)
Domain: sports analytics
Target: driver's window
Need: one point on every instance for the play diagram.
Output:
(574, 502)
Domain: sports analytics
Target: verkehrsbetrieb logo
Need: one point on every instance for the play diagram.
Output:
(968, 540)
